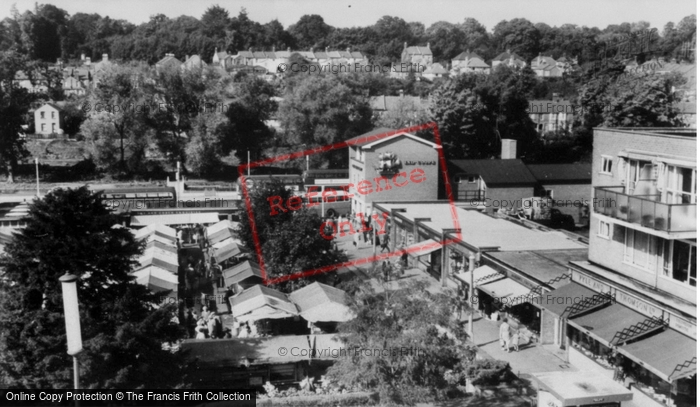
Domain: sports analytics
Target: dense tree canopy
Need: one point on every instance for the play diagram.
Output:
(122, 331)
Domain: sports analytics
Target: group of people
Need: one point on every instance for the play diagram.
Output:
(509, 337)
(399, 266)
(191, 234)
(207, 325)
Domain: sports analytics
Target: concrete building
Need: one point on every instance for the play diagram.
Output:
(398, 167)
(567, 185)
(633, 303)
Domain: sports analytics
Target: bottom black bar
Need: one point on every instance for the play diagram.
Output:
(98, 398)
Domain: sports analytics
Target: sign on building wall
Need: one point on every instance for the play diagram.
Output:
(638, 305)
(683, 326)
(594, 285)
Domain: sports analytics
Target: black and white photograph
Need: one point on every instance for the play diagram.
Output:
(348, 203)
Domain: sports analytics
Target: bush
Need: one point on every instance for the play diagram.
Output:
(490, 372)
(322, 400)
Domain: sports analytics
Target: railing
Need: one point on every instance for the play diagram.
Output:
(645, 210)
(477, 195)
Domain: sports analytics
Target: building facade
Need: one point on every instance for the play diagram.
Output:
(400, 167)
(47, 119)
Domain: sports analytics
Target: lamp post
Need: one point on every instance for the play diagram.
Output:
(36, 163)
(471, 297)
(72, 316)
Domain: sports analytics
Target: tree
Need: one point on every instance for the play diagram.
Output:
(519, 35)
(403, 344)
(321, 110)
(71, 230)
(310, 31)
(119, 96)
(204, 150)
(290, 241)
(14, 107)
(407, 112)
(215, 20)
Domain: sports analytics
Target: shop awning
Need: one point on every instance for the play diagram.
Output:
(221, 231)
(422, 248)
(482, 275)
(156, 279)
(669, 354)
(226, 249)
(505, 289)
(615, 324)
(260, 302)
(241, 272)
(175, 219)
(570, 300)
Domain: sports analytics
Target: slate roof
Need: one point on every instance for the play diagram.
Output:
(435, 69)
(496, 173)
(504, 56)
(169, 60)
(418, 50)
(561, 173)
(466, 55)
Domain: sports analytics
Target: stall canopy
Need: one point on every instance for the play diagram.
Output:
(243, 271)
(221, 231)
(570, 300)
(156, 279)
(226, 249)
(615, 324)
(176, 219)
(154, 256)
(422, 248)
(322, 303)
(162, 245)
(156, 230)
(18, 211)
(669, 354)
(482, 275)
(260, 302)
(506, 289)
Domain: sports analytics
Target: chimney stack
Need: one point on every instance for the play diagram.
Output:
(289, 49)
(326, 50)
(273, 48)
(508, 149)
(87, 60)
(311, 50)
(82, 57)
(105, 57)
(428, 45)
(348, 49)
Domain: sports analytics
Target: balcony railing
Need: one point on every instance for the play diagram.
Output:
(645, 210)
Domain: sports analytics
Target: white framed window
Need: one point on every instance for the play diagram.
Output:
(606, 165)
(458, 179)
(43, 126)
(680, 261)
(641, 250)
(42, 114)
(680, 186)
(471, 180)
(604, 229)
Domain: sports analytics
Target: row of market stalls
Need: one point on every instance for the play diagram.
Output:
(293, 338)
(159, 264)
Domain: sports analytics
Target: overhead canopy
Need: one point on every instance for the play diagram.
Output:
(239, 272)
(504, 289)
(482, 275)
(226, 249)
(176, 219)
(166, 246)
(156, 279)
(157, 230)
(260, 302)
(669, 354)
(610, 324)
(221, 231)
(564, 299)
(422, 248)
(322, 303)
(159, 257)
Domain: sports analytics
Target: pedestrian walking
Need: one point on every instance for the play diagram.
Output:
(385, 243)
(504, 334)
(515, 341)
(356, 239)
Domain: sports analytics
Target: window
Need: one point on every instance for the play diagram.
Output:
(471, 180)
(53, 115)
(42, 114)
(458, 179)
(680, 185)
(43, 127)
(641, 250)
(604, 229)
(549, 193)
(53, 127)
(606, 165)
(680, 259)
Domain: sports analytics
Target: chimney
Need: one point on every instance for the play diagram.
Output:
(311, 50)
(250, 49)
(187, 57)
(508, 50)
(555, 97)
(87, 60)
(326, 50)
(289, 49)
(273, 48)
(216, 50)
(508, 149)
(82, 57)
(405, 45)
(428, 45)
(348, 49)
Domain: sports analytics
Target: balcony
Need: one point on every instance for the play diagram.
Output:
(645, 210)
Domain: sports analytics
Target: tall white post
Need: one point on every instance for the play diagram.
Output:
(471, 297)
(36, 162)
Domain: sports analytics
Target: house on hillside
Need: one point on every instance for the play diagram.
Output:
(434, 71)
(168, 62)
(73, 86)
(219, 57)
(510, 59)
(552, 115)
(468, 62)
(383, 105)
(192, 62)
(104, 64)
(546, 66)
(417, 55)
(47, 119)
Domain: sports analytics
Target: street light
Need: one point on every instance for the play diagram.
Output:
(72, 316)
(36, 162)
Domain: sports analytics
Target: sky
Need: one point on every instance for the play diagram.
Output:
(349, 13)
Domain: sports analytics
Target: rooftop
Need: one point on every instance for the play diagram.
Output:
(561, 173)
(495, 173)
(653, 131)
(484, 231)
(543, 265)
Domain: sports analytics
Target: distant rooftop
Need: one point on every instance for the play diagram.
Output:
(653, 131)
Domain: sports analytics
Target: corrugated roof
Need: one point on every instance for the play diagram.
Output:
(495, 173)
(554, 173)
